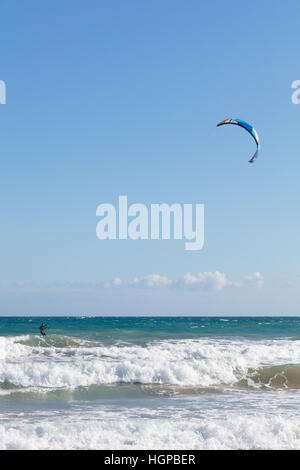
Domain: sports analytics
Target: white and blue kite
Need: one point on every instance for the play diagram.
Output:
(249, 128)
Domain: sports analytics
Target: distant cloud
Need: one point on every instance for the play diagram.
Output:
(256, 280)
(210, 281)
(202, 281)
(150, 281)
(205, 281)
(22, 284)
(114, 283)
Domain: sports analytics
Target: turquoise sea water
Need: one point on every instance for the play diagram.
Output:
(150, 382)
(146, 328)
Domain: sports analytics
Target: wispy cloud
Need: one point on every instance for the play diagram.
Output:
(205, 281)
(202, 281)
(256, 280)
(116, 282)
(151, 281)
(22, 284)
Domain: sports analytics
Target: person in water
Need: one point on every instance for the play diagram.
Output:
(42, 329)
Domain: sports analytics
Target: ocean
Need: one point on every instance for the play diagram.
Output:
(150, 383)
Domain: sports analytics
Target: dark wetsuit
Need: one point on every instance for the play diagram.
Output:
(42, 329)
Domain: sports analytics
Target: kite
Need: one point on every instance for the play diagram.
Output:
(249, 128)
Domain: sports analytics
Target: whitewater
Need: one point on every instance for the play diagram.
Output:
(156, 383)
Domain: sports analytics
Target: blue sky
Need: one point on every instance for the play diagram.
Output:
(122, 97)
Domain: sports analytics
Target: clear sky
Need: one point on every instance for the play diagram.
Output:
(106, 98)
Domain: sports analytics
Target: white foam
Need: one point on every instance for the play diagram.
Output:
(117, 431)
(203, 362)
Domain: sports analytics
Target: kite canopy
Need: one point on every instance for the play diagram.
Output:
(249, 128)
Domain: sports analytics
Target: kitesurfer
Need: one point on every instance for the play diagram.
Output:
(42, 329)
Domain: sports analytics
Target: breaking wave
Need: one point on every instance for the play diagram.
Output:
(34, 365)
